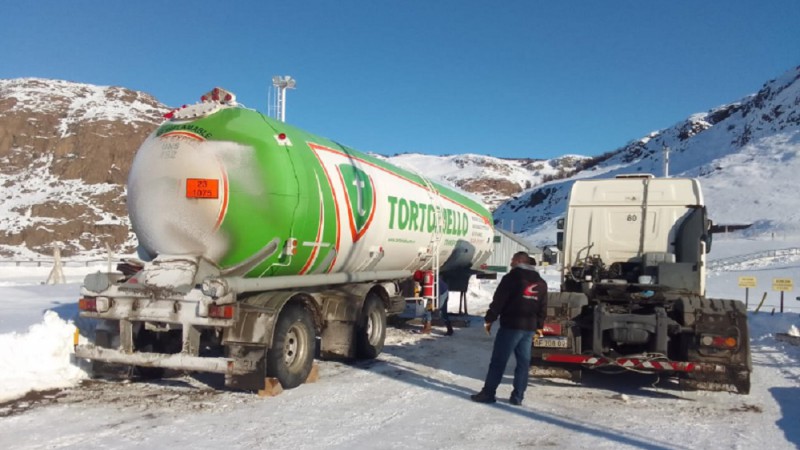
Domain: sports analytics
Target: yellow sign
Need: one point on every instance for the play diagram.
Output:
(782, 284)
(747, 282)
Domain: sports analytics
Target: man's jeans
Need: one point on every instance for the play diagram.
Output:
(507, 341)
(443, 306)
(426, 316)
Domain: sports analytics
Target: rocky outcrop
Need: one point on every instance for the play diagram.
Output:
(65, 151)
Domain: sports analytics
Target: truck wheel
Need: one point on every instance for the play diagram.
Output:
(371, 328)
(291, 355)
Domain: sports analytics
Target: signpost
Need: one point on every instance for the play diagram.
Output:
(747, 283)
(782, 285)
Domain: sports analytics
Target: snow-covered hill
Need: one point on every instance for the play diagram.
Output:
(492, 180)
(746, 154)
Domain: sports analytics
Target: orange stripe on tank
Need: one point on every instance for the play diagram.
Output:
(224, 207)
(320, 227)
(180, 133)
(336, 209)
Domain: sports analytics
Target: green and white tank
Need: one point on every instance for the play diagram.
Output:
(261, 198)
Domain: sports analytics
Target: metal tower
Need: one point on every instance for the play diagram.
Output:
(281, 84)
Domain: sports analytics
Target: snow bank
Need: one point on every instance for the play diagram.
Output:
(39, 359)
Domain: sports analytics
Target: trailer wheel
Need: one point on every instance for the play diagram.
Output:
(291, 355)
(371, 328)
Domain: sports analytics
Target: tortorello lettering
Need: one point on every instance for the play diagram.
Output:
(405, 214)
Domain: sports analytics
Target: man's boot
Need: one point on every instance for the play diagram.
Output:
(449, 326)
(483, 397)
(426, 328)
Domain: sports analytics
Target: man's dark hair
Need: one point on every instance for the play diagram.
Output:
(525, 258)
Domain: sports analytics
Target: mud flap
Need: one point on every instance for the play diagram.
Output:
(721, 318)
(254, 380)
(732, 381)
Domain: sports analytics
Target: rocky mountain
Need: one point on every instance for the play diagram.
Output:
(746, 155)
(65, 151)
(66, 148)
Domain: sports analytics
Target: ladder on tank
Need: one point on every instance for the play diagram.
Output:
(436, 237)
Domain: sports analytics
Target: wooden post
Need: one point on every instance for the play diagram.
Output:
(761, 302)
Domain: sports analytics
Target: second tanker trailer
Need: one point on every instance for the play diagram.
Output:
(258, 239)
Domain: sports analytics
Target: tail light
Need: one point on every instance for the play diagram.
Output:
(726, 342)
(220, 311)
(552, 329)
(96, 304)
(88, 304)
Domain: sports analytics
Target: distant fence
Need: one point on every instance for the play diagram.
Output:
(48, 262)
(722, 263)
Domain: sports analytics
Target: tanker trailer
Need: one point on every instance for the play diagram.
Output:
(261, 244)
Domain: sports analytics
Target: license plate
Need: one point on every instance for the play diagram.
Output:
(550, 342)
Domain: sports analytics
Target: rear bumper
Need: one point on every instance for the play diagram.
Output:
(644, 363)
(177, 361)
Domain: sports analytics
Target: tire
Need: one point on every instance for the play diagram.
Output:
(371, 328)
(291, 355)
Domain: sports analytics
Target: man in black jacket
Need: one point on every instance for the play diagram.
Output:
(520, 301)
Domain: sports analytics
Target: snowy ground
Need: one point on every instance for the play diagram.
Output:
(415, 395)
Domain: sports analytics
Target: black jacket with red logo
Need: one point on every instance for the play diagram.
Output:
(520, 300)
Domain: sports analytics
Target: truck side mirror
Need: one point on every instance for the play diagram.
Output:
(560, 224)
(560, 240)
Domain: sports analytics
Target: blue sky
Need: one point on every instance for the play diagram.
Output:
(527, 79)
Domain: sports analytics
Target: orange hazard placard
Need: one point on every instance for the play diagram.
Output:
(202, 188)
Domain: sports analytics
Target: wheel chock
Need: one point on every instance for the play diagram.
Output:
(272, 387)
(313, 375)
